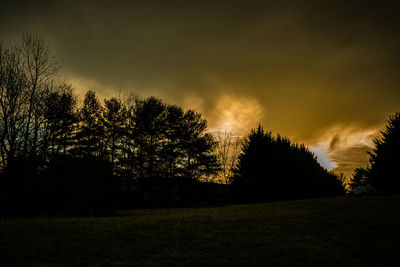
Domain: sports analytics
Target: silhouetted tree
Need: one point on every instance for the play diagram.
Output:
(385, 158)
(113, 122)
(272, 168)
(128, 150)
(90, 134)
(39, 67)
(228, 150)
(148, 134)
(12, 104)
(27, 77)
(56, 156)
(198, 147)
(61, 117)
(360, 177)
(165, 141)
(172, 147)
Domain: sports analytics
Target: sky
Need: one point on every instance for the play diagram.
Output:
(323, 73)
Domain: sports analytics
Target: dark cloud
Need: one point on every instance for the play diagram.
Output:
(303, 66)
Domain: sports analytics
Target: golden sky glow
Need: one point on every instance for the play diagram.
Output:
(325, 73)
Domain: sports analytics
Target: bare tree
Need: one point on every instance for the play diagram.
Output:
(39, 66)
(12, 100)
(26, 78)
(228, 151)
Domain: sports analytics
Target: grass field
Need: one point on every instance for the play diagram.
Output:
(351, 231)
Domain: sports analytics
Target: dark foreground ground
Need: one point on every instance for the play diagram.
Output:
(350, 231)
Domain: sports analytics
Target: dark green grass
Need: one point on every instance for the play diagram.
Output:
(353, 231)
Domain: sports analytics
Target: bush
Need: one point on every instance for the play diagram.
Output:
(272, 168)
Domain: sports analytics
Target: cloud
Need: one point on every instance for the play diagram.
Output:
(238, 114)
(82, 85)
(346, 146)
(322, 158)
(301, 69)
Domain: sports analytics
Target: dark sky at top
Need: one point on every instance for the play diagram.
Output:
(321, 72)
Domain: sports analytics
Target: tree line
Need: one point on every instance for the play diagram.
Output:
(47, 137)
(65, 156)
(271, 167)
(41, 120)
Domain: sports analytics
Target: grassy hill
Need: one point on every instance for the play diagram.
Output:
(352, 231)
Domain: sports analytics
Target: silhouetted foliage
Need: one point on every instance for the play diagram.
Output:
(383, 172)
(80, 185)
(164, 141)
(198, 147)
(61, 117)
(26, 79)
(360, 177)
(90, 133)
(58, 158)
(271, 168)
(62, 157)
(149, 119)
(113, 121)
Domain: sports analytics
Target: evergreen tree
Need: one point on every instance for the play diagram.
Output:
(172, 148)
(113, 122)
(360, 177)
(198, 147)
(90, 135)
(385, 158)
(148, 134)
(61, 117)
(272, 168)
(168, 142)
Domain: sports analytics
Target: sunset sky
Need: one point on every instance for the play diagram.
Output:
(324, 73)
